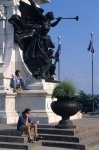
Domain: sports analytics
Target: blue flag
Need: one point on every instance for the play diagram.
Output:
(90, 47)
(92, 50)
(57, 54)
(90, 44)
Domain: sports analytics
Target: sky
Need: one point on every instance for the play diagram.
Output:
(75, 59)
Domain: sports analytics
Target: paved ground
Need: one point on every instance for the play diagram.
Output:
(53, 148)
(95, 147)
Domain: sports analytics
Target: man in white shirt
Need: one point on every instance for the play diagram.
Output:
(17, 81)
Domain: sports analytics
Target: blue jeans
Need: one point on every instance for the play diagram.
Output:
(16, 85)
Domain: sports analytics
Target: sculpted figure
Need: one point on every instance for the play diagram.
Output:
(31, 33)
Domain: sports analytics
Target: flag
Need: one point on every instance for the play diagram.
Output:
(92, 50)
(57, 54)
(59, 46)
(90, 44)
(90, 47)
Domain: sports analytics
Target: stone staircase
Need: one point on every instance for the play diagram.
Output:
(84, 136)
(63, 138)
(10, 139)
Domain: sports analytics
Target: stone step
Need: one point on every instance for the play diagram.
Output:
(10, 145)
(46, 126)
(55, 131)
(59, 144)
(24, 146)
(7, 149)
(60, 138)
(14, 139)
(6, 138)
(12, 132)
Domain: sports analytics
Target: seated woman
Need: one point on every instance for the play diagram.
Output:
(25, 125)
(17, 81)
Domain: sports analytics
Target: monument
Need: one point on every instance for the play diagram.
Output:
(26, 45)
(14, 54)
(31, 34)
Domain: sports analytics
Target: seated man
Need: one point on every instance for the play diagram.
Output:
(25, 125)
(17, 81)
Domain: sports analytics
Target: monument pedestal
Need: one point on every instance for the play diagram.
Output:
(39, 102)
(8, 112)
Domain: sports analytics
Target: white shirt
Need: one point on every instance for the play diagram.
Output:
(16, 79)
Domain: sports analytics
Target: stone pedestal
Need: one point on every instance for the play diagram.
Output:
(39, 102)
(8, 112)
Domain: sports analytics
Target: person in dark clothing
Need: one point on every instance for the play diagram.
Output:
(25, 125)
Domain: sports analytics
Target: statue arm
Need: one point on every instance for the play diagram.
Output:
(56, 22)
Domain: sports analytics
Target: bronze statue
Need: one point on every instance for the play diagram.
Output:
(31, 34)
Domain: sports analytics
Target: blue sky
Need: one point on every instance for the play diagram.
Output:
(75, 36)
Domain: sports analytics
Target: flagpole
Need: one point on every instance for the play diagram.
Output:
(59, 40)
(59, 69)
(92, 74)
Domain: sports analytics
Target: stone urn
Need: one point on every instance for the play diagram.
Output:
(65, 109)
(66, 104)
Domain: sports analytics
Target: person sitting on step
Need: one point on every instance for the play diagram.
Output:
(25, 125)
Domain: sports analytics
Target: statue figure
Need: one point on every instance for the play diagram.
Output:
(31, 33)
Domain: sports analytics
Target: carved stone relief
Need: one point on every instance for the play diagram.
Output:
(2, 12)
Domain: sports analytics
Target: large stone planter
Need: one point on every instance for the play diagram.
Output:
(65, 109)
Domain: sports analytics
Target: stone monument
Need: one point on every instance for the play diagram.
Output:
(21, 46)
(38, 98)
